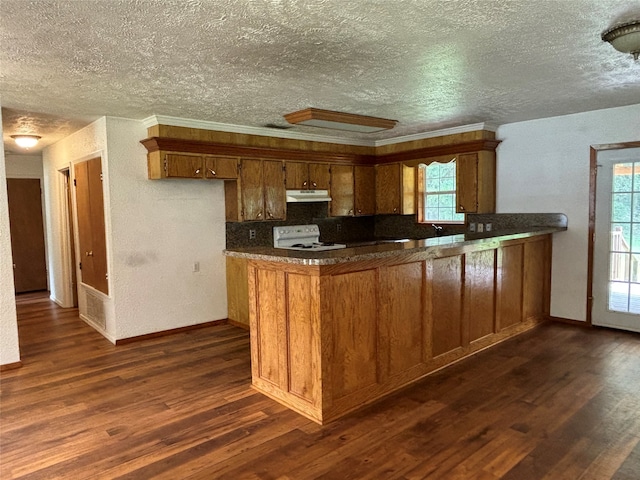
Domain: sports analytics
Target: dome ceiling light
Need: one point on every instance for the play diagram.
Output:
(26, 141)
(624, 37)
(315, 117)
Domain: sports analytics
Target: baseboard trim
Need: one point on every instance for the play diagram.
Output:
(172, 331)
(10, 366)
(568, 321)
(238, 324)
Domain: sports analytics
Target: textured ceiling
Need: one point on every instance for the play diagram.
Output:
(429, 64)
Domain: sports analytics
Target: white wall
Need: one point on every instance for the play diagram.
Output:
(156, 230)
(9, 346)
(543, 166)
(159, 229)
(24, 166)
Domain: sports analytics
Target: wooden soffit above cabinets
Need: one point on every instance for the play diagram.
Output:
(214, 148)
(313, 152)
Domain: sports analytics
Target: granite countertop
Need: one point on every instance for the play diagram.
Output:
(373, 250)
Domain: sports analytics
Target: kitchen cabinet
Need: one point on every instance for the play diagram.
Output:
(307, 176)
(258, 194)
(183, 165)
(389, 321)
(395, 189)
(476, 182)
(352, 190)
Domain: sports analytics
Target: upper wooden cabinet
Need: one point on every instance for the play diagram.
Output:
(259, 193)
(395, 189)
(178, 165)
(352, 190)
(307, 176)
(476, 182)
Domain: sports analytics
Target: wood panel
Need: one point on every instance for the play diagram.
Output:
(364, 190)
(486, 182)
(354, 326)
(225, 168)
(342, 191)
(297, 175)
(237, 290)
(444, 287)
(401, 317)
(303, 330)
(252, 190)
(408, 190)
(268, 326)
(479, 295)
(24, 199)
(275, 195)
(319, 176)
(509, 286)
(467, 183)
(536, 265)
(388, 194)
(184, 166)
(98, 236)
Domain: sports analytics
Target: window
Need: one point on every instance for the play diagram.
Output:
(437, 186)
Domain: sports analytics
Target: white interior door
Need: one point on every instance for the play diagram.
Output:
(616, 262)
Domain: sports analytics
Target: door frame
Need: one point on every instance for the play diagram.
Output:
(593, 174)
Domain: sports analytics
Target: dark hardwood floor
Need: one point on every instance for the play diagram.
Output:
(560, 402)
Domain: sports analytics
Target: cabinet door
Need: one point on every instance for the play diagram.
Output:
(388, 188)
(467, 183)
(342, 193)
(364, 185)
(251, 190)
(275, 196)
(183, 166)
(225, 168)
(297, 175)
(319, 176)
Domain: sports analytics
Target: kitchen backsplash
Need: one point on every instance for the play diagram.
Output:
(357, 229)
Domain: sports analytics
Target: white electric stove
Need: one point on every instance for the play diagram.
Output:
(301, 237)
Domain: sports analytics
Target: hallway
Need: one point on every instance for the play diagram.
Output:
(557, 402)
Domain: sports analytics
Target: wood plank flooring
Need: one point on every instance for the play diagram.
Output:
(560, 402)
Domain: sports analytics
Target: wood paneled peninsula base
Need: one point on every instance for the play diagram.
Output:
(333, 331)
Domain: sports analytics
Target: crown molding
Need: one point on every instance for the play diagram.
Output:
(268, 132)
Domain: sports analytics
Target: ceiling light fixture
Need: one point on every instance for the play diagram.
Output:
(26, 141)
(624, 37)
(315, 117)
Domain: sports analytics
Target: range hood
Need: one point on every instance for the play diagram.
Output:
(308, 196)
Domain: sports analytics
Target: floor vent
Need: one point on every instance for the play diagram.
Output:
(95, 309)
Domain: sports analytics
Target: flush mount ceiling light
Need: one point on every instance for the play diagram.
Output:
(26, 141)
(315, 117)
(624, 37)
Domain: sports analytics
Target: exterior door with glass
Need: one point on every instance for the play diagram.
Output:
(616, 261)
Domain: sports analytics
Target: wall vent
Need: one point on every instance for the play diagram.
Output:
(95, 309)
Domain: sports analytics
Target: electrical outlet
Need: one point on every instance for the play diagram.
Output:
(338, 227)
(252, 234)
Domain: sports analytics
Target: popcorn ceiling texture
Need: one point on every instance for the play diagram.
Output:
(429, 64)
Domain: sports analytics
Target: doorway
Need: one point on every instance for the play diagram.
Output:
(616, 240)
(24, 196)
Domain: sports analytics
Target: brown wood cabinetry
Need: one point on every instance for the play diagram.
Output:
(237, 294)
(352, 190)
(259, 193)
(395, 189)
(182, 165)
(307, 176)
(476, 182)
(328, 339)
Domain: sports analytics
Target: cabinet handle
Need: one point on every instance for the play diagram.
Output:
(461, 208)
(259, 215)
(89, 253)
(314, 184)
(212, 172)
(395, 209)
(359, 211)
(197, 171)
(351, 211)
(304, 184)
(270, 214)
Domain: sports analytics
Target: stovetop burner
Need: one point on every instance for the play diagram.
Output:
(301, 237)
